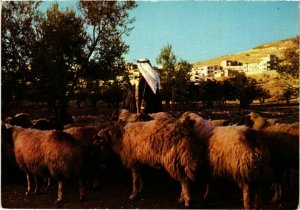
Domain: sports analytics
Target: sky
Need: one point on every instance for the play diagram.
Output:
(201, 30)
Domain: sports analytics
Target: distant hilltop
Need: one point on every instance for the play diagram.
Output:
(253, 55)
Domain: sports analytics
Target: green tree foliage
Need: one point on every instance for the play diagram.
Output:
(58, 54)
(209, 92)
(182, 80)
(245, 89)
(57, 50)
(262, 94)
(17, 39)
(289, 66)
(167, 60)
(108, 22)
(288, 69)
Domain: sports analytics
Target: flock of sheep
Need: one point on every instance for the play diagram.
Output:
(187, 147)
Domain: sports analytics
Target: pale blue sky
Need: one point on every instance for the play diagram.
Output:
(200, 30)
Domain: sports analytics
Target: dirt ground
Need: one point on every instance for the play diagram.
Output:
(160, 191)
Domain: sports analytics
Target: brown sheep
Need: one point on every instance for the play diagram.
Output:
(282, 141)
(219, 122)
(45, 124)
(126, 116)
(257, 122)
(21, 119)
(84, 136)
(166, 144)
(46, 153)
(234, 152)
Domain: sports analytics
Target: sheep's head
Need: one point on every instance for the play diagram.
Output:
(255, 121)
(249, 121)
(192, 119)
(105, 137)
(6, 134)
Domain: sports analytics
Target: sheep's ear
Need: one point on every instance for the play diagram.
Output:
(8, 126)
(188, 122)
(191, 123)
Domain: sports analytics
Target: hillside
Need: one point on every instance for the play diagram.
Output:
(269, 80)
(253, 55)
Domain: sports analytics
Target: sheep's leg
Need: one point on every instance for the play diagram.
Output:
(134, 184)
(141, 182)
(81, 189)
(206, 191)
(185, 194)
(246, 196)
(48, 184)
(59, 192)
(278, 192)
(28, 184)
(181, 200)
(257, 199)
(36, 185)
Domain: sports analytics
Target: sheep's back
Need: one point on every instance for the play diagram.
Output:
(158, 143)
(283, 143)
(235, 151)
(47, 151)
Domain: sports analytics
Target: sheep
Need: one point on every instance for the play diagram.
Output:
(283, 143)
(257, 122)
(282, 140)
(47, 153)
(166, 144)
(219, 122)
(235, 152)
(45, 124)
(84, 136)
(9, 168)
(21, 119)
(126, 116)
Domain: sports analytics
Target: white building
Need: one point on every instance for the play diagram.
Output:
(270, 62)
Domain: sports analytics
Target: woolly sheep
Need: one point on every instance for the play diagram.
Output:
(21, 119)
(46, 153)
(45, 124)
(155, 143)
(84, 136)
(282, 140)
(234, 152)
(257, 122)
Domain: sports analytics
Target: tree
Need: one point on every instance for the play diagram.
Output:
(209, 91)
(108, 22)
(58, 53)
(182, 81)
(89, 48)
(245, 89)
(17, 39)
(288, 70)
(167, 60)
(262, 94)
(289, 66)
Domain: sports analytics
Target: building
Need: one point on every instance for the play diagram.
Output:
(232, 65)
(227, 63)
(270, 62)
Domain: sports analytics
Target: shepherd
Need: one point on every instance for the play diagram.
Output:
(147, 94)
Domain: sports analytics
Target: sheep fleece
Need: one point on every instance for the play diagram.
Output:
(43, 152)
(158, 143)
